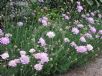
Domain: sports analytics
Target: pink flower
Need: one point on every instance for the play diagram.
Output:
(43, 57)
(79, 8)
(81, 49)
(4, 55)
(100, 32)
(93, 29)
(75, 30)
(24, 59)
(38, 67)
(12, 63)
(4, 40)
(50, 34)
(88, 35)
(44, 22)
(73, 44)
(90, 20)
(42, 42)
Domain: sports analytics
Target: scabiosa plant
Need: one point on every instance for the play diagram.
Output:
(4, 40)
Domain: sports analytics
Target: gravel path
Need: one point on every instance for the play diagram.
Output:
(92, 69)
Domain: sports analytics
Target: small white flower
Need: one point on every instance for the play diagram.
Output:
(32, 50)
(20, 24)
(80, 25)
(50, 34)
(82, 39)
(8, 35)
(89, 47)
(22, 53)
(66, 40)
(4, 55)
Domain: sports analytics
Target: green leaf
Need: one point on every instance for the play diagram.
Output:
(90, 2)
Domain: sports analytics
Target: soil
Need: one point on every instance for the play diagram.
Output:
(92, 69)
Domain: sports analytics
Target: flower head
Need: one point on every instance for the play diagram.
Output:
(81, 49)
(24, 59)
(4, 40)
(42, 42)
(4, 55)
(50, 34)
(38, 67)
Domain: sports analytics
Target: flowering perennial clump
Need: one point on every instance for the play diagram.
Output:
(48, 40)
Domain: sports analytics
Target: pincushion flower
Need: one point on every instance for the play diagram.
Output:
(75, 30)
(80, 25)
(43, 21)
(4, 40)
(22, 53)
(43, 57)
(12, 63)
(24, 59)
(89, 47)
(100, 32)
(93, 29)
(90, 20)
(4, 55)
(82, 39)
(79, 8)
(81, 49)
(73, 44)
(42, 42)
(38, 67)
(50, 34)
(88, 35)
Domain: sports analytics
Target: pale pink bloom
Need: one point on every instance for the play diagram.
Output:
(44, 22)
(75, 30)
(45, 18)
(78, 2)
(79, 8)
(73, 44)
(82, 39)
(92, 13)
(17, 61)
(90, 20)
(12, 63)
(22, 53)
(43, 57)
(50, 34)
(24, 59)
(32, 50)
(89, 47)
(38, 67)
(81, 49)
(80, 25)
(4, 55)
(100, 32)
(88, 35)
(66, 17)
(4, 40)
(99, 15)
(42, 42)
(93, 29)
